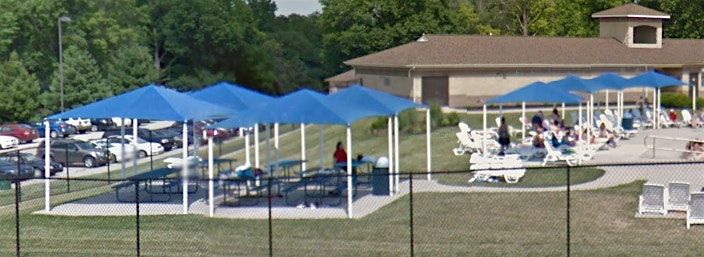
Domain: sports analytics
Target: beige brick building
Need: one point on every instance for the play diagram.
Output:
(460, 70)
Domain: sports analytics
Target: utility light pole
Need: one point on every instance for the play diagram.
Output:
(61, 60)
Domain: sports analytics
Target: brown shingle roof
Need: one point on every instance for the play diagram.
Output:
(466, 51)
(342, 77)
(631, 10)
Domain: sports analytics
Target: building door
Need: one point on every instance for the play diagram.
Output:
(436, 90)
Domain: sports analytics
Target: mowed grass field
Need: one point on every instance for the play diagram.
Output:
(445, 224)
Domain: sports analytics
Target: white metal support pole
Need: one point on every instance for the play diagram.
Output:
(581, 128)
(390, 135)
(47, 166)
(122, 146)
(484, 126)
(606, 100)
(654, 112)
(321, 138)
(428, 153)
(694, 99)
(135, 126)
(659, 104)
(267, 162)
(349, 172)
(211, 201)
(563, 111)
(591, 117)
(303, 147)
(256, 145)
(397, 166)
(276, 142)
(247, 154)
(184, 168)
(523, 122)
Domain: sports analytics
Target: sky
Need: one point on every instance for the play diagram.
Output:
(304, 7)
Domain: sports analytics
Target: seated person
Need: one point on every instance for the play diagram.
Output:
(538, 140)
(605, 133)
(555, 115)
(555, 126)
(537, 120)
(672, 115)
(696, 149)
(568, 140)
(585, 136)
(554, 140)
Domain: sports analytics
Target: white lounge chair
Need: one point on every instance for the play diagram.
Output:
(695, 212)
(466, 145)
(464, 127)
(678, 196)
(665, 121)
(652, 200)
(557, 156)
(509, 167)
(686, 118)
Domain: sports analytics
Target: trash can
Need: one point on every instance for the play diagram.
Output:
(627, 123)
(380, 177)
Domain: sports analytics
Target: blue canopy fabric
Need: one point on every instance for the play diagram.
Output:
(612, 80)
(380, 102)
(151, 102)
(239, 119)
(232, 96)
(309, 107)
(537, 92)
(654, 79)
(576, 84)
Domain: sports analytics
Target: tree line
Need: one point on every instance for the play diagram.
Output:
(111, 46)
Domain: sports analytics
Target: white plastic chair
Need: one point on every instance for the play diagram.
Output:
(652, 199)
(695, 212)
(686, 118)
(464, 127)
(678, 196)
(556, 156)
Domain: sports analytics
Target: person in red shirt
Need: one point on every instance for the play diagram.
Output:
(673, 115)
(340, 156)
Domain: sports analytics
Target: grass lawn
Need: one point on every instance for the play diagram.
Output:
(445, 224)
(547, 177)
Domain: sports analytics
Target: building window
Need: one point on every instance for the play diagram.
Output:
(645, 35)
(387, 81)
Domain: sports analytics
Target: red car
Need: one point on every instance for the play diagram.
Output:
(24, 133)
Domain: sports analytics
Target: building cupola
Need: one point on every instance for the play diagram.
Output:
(633, 25)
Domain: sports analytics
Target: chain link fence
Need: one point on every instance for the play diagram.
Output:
(547, 211)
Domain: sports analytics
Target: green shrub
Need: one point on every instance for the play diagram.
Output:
(378, 124)
(436, 116)
(408, 121)
(679, 101)
(451, 119)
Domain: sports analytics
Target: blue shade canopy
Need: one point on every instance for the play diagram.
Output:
(309, 107)
(654, 80)
(573, 83)
(612, 80)
(380, 102)
(237, 120)
(151, 102)
(232, 96)
(537, 92)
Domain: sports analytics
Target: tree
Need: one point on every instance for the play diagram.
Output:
(83, 82)
(130, 67)
(18, 87)
(352, 28)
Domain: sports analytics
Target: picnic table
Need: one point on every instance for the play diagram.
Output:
(148, 179)
(286, 167)
(368, 162)
(320, 181)
(234, 181)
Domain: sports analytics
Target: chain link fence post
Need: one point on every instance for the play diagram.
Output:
(271, 233)
(17, 213)
(136, 200)
(569, 188)
(410, 206)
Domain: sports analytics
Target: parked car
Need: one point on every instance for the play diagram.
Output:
(144, 148)
(8, 142)
(114, 149)
(56, 129)
(74, 152)
(101, 124)
(23, 132)
(10, 171)
(167, 141)
(118, 122)
(35, 162)
(82, 125)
